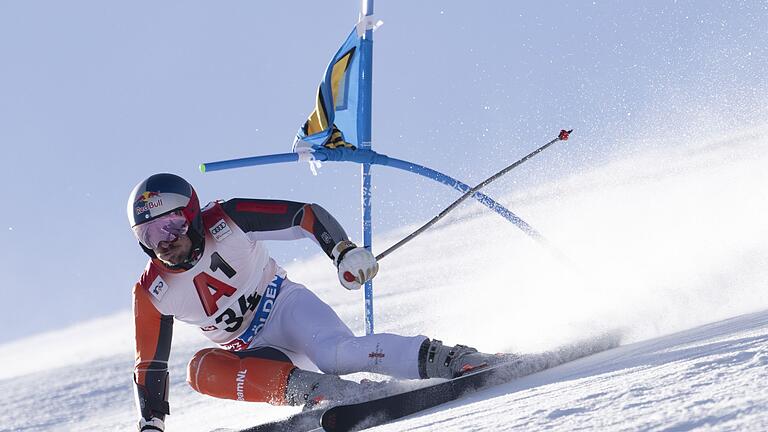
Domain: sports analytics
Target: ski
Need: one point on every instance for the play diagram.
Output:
(301, 422)
(362, 415)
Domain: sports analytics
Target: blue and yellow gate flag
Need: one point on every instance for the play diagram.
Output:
(334, 122)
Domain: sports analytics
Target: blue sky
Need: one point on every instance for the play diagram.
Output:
(95, 96)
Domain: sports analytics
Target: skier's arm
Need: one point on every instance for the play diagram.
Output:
(285, 220)
(288, 220)
(153, 344)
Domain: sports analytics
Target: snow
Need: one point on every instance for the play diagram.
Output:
(665, 245)
(712, 376)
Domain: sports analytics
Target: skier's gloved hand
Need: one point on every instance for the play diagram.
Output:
(152, 425)
(356, 265)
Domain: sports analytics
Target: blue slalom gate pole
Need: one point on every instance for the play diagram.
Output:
(370, 157)
(321, 136)
(364, 125)
(249, 161)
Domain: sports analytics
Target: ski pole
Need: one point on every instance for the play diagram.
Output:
(562, 136)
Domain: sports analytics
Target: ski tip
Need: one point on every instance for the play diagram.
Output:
(328, 421)
(202, 168)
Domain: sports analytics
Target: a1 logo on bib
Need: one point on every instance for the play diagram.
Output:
(220, 231)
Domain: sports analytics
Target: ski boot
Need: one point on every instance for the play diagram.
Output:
(439, 361)
(314, 390)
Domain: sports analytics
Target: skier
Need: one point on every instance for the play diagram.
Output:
(209, 268)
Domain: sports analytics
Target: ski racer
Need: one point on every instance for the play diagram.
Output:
(209, 268)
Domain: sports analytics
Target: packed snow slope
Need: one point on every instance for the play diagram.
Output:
(667, 245)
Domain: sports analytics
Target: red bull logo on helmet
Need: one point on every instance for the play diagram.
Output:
(145, 196)
(144, 202)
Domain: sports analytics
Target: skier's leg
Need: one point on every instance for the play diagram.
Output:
(303, 323)
(265, 375)
(258, 375)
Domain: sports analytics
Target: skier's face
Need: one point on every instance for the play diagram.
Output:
(174, 252)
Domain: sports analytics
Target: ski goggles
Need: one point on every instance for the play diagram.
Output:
(166, 228)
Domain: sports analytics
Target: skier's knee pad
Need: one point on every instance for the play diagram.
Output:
(259, 375)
